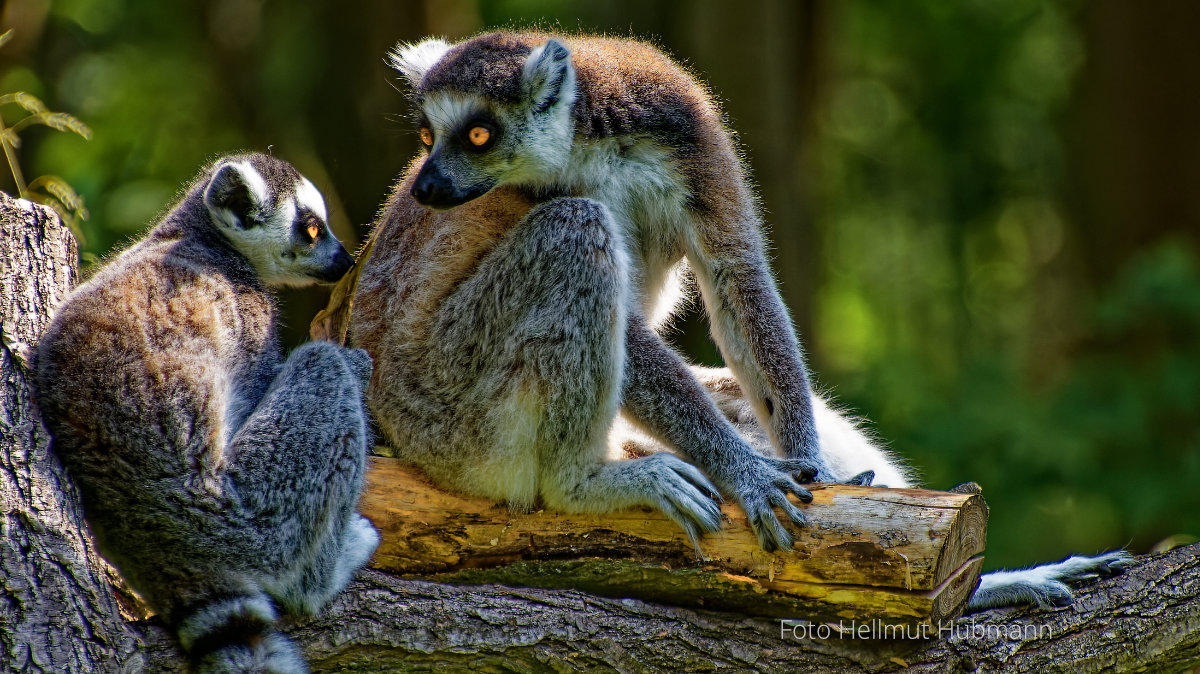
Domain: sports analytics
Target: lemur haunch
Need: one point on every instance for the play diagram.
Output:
(509, 330)
(219, 478)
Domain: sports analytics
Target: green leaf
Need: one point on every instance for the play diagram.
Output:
(55, 120)
(31, 103)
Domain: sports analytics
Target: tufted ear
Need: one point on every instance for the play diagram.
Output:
(548, 76)
(414, 60)
(236, 194)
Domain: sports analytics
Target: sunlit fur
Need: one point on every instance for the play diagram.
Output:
(218, 477)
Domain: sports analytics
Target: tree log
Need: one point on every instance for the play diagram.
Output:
(904, 556)
(57, 612)
(1146, 619)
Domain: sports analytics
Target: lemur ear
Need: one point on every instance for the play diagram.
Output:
(236, 194)
(414, 60)
(548, 76)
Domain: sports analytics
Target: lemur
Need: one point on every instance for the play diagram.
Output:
(522, 268)
(620, 167)
(220, 479)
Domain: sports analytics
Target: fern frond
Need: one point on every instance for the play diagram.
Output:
(63, 192)
(32, 104)
(55, 120)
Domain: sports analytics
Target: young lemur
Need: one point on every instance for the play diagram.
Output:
(582, 174)
(219, 478)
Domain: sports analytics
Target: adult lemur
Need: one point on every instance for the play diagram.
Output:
(220, 479)
(508, 331)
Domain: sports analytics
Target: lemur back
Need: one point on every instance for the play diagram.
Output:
(220, 479)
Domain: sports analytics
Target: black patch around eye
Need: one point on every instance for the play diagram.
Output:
(493, 130)
(303, 224)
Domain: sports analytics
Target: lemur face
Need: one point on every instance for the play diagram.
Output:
(276, 218)
(508, 123)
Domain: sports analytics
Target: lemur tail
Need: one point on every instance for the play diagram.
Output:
(237, 635)
(1047, 585)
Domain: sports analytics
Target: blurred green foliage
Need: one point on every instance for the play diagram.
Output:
(969, 267)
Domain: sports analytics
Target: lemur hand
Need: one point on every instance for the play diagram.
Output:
(764, 485)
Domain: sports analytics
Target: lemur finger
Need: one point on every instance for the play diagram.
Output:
(701, 509)
(679, 517)
(863, 479)
(787, 484)
(771, 533)
(800, 467)
(1112, 563)
(697, 478)
(780, 500)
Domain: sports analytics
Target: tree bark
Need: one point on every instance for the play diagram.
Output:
(1147, 619)
(58, 612)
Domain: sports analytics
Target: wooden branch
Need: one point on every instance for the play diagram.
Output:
(1146, 619)
(906, 556)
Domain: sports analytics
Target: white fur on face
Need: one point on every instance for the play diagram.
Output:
(414, 60)
(309, 197)
(447, 110)
(268, 244)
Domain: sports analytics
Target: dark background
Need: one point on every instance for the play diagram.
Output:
(985, 215)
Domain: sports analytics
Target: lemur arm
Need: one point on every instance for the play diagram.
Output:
(661, 395)
(751, 327)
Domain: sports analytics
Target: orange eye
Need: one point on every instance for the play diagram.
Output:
(426, 136)
(313, 231)
(478, 136)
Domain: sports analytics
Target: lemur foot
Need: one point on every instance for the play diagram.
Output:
(684, 494)
(1045, 585)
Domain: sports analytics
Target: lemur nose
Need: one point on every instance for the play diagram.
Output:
(422, 191)
(430, 183)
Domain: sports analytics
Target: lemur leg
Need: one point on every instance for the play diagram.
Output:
(304, 451)
(542, 322)
(662, 396)
(751, 327)
(847, 447)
